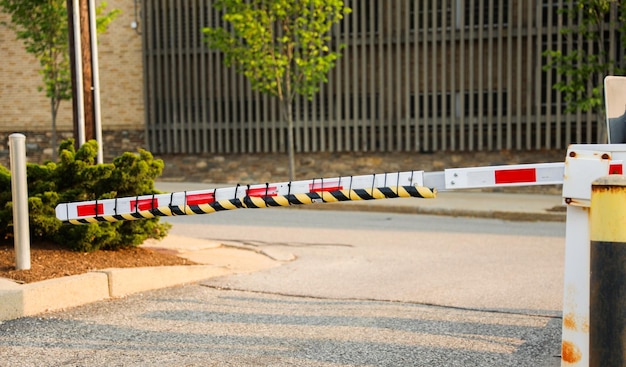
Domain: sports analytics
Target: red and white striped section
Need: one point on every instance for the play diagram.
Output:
(513, 175)
(129, 205)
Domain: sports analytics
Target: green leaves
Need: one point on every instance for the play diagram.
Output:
(42, 25)
(583, 71)
(77, 178)
(282, 46)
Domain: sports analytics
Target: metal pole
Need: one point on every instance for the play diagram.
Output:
(80, 104)
(575, 330)
(607, 304)
(19, 189)
(96, 79)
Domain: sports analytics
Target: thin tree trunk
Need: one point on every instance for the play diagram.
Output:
(54, 107)
(286, 107)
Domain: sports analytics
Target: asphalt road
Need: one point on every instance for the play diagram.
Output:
(458, 262)
(367, 289)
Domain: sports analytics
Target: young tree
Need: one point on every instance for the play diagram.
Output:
(583, 70)
(43, 27)
(282, 46)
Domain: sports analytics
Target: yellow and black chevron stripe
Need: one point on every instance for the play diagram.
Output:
(251, 202)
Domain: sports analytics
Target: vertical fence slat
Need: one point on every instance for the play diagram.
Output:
(190, 145)
(336, 126)
(472, 79)
(559, 101)
(388, 90)
(178, 55)
(213, 86)
(194, 51)
(452, 50)
(241, 110)
(169, 85)
(549, 80)
(572, 120)
(352, 137)
(426, 72)
(416, 77)
(435, 75)
(490, 87)
(443, 69)
(408, 71)
(364, 118)
(220, 74)
(518, 75)
(460, 71)
(249, 119)
(395, 140)
(481, 80)
(202, 60)
(538, 82)
(373, 93)
(345, 121)
(500, 80)
(530, 79)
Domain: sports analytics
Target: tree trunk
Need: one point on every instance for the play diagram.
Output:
(286, 108)
(53, 113)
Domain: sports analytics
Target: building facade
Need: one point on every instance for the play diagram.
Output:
(26, 110)
(428, 75)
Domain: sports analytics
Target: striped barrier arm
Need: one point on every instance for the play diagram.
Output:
(252, 202)
(382, 185)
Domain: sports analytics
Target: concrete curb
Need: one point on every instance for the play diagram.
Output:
(20, 300)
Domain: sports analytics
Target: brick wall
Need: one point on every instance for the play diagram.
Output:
(27, 110)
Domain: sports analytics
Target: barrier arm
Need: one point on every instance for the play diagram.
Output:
(366, 187)
(322, 190)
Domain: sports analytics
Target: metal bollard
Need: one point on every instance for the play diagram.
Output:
(607, 305)
(19, 188)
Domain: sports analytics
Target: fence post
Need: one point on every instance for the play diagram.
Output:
(19, 189)
(607, 304)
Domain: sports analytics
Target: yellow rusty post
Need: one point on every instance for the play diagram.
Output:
(607, 304)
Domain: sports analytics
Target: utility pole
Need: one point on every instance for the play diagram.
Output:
(85, 41)
(81, 59)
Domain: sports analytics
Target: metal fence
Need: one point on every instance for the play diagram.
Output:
(414, 76)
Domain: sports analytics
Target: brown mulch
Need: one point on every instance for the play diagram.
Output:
(53, 261)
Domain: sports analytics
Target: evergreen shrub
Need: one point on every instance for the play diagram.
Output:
(76, 177)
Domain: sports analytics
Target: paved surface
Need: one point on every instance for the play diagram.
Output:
(31, 299)
(444, 334)
(199, 326)
(324, 309)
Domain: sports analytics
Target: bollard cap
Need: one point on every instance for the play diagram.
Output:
(610, 180)
(608, 210)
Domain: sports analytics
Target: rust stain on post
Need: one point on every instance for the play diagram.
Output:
(570, 353)
(569, 321)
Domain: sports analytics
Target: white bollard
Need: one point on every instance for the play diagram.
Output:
(19, 189)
